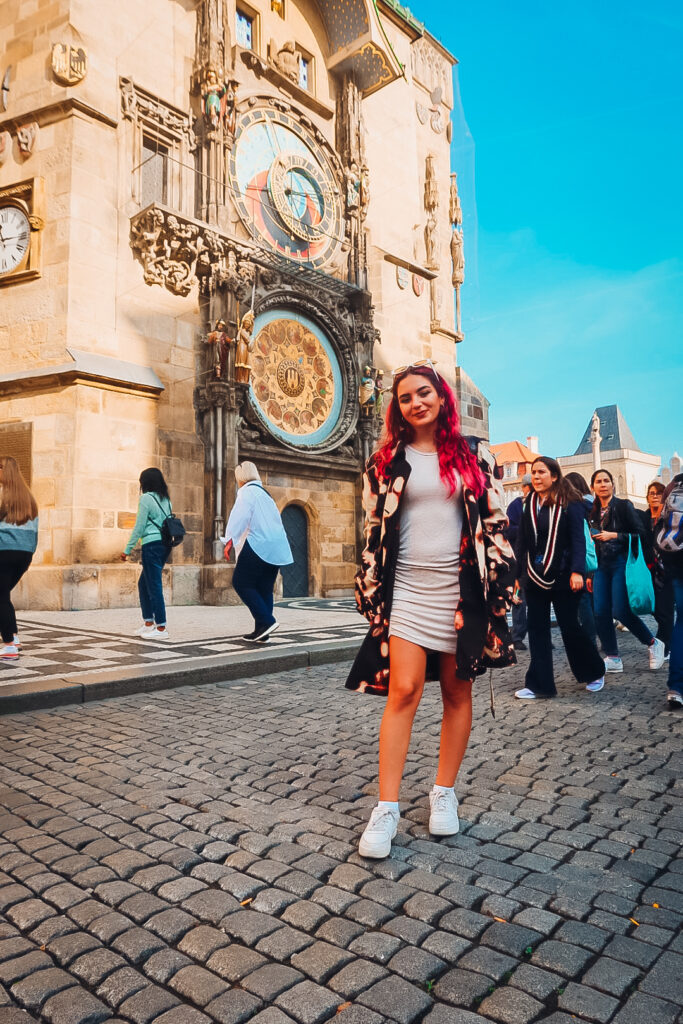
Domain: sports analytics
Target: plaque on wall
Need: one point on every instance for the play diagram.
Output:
(16, 440)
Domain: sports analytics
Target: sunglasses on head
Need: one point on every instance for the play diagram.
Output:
(413, 366)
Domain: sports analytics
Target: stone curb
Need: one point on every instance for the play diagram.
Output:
(82, 687)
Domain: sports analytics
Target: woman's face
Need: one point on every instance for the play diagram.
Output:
(542, 479)
(418, 401)
(603, 486)
(654, 500)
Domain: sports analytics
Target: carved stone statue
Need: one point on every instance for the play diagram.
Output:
(454, 206)
(367, 392)
(353, 188)
(379, 392)
(213, 97)
(244, 344)
(287, 61)
(218, 346)
(595, 440)
(431, 204)
(364, 191)
(457, 258)
(26, 138)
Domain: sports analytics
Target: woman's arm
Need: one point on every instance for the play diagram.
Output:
(140, 524)
(577, 537)
(637, 528)
(240, 517)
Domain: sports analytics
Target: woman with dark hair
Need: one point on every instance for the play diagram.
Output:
(153, 507)
(663, 586)
(615, 525)
(551, 549)
(586, 612)
(435, 584)
(18, 542)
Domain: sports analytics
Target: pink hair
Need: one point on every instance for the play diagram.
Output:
(455, 455)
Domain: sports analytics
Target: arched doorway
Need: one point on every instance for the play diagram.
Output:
(295, 576)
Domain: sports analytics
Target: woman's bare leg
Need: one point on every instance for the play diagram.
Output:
(456, 723)
(408, 664)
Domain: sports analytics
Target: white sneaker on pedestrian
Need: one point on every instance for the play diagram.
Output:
(525, 694)
(443, 819)
(614, 665)
(155, 634)
(9, 652)
(17, 642)
(675, 700)
(144, 629)
(595, 686)
(379, 831)
(656, 654)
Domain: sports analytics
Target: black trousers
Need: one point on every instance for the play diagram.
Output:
(664, 609)
(254, 579)
(584, 660)
(13, 565)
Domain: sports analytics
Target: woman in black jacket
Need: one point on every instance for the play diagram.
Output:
(551, 551)
(615, 525)
(663, 587)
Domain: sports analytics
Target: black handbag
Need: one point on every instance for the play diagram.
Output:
(172, 530)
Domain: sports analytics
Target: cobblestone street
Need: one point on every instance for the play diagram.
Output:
(189, 857)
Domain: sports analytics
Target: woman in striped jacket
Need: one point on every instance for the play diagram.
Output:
(551, 554)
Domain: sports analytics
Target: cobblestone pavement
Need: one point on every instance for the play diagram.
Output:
(190, 857)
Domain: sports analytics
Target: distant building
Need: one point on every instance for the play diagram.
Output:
(473, 406)
(672, 470)
(631, 468)
(515, 459)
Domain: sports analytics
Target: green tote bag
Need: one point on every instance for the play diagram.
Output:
(641, 593)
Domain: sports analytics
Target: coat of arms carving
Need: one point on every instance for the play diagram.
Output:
(69, 63)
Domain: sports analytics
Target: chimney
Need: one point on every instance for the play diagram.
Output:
(532, 443)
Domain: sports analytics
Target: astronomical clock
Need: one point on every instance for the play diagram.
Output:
(287, 193)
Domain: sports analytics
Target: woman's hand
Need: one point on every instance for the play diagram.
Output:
(227, 549)
(124, 556)
(576, 581)
(605, 535)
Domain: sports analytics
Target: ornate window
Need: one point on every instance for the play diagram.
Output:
(245, 28)
(163, 141)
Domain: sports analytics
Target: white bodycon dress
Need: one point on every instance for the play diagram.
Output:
(426, 586)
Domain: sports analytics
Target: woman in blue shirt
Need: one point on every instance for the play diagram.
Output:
(256, 532)
(18, 541)
(153, 507)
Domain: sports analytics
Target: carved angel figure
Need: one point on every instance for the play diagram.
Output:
(244, 343)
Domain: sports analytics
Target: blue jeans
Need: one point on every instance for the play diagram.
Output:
(154, 556)
(676, 660)
(610, 601)
(254, 579)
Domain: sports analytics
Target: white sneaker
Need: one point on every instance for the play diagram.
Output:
(674, 700)
(614, 665)
(443, 820)
(525, 694)
(155, 634)
(656, 654)
(595, 686)
(17, 642)
(9, 652)
(144, 629)
(379, 831)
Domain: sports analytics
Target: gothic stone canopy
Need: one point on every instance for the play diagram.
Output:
(358, 44)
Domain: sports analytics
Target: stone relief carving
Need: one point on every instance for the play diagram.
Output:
(454, 205)
(431, 69)
(5, 146)
(350, 144)
(287, 60)
(457, 246)
(138, 105)
(431, 205)
(212, 40)
(26, 138)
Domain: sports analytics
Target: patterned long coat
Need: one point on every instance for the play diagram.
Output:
(486, 576)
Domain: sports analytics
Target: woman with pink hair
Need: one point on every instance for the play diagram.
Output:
(435, 584)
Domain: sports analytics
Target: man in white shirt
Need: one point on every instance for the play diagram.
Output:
(256, 532)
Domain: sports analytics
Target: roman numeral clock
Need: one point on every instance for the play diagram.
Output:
(287, 194)
(21, 224)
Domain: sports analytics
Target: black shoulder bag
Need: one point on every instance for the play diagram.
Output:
(172, 530)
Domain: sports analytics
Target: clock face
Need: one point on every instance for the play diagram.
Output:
(296, 384)
(285, 189)
(15, 236)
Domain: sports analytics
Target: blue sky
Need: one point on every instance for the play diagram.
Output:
(569, 151)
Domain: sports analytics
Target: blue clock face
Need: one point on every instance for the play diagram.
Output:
(285, 189)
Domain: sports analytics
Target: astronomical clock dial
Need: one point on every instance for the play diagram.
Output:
(15, 238)
(296, 383)
(285, 189)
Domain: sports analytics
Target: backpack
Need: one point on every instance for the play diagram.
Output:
(172, 530)
(669, 529)
(591, 555)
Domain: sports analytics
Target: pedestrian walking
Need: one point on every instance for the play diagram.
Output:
(256, 532)
(551, 550)
(669, 544)
(154, 507)
(615, 526)
(519, 615)
(435, 584)
(586, 610)
(661, 580)
(18, 542)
